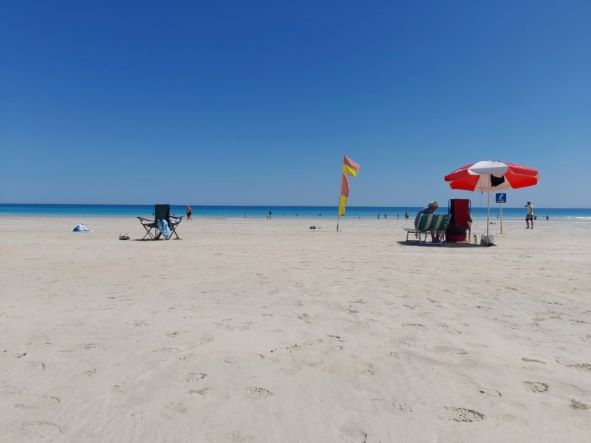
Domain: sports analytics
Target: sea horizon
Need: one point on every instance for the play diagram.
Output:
(262, 211)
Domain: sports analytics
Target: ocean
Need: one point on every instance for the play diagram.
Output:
(79, 211)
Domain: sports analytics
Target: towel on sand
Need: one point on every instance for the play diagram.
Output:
(81, 228)
(164, 229)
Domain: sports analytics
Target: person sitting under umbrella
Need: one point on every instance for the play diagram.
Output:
(430, 209)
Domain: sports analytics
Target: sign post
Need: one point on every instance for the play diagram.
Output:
(501, 198)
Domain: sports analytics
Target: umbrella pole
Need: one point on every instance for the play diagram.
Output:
(487, 216)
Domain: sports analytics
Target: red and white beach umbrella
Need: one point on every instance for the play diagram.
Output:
(491, 175)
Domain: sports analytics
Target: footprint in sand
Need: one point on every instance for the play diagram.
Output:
(533, 360)
(166, 349)
(583, 366)
(195, 376)
(174, 409)
(39, 402)
(121, 387)
(579, 405)
(42, 430)
(368, 370)
(15, 354)
(205, 392)
(336, 337)
(304, 317)
(7, 390)
(391, 407)
(256, 393)
(352, 433)
(536, 386)
(83, 347)
(490, 392)
(36, 365)
(463, 415)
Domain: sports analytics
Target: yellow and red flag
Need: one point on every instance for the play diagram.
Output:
(344, 195)
(350, 167)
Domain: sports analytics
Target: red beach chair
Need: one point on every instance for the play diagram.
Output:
(459, 220)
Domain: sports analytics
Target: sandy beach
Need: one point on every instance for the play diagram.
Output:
(254, 330)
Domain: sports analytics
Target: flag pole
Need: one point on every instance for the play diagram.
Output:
(339, 204)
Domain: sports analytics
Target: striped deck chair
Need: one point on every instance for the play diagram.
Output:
(429, 223)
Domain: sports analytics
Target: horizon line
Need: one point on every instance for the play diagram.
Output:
(493, 205)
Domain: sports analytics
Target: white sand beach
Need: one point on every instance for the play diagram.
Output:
(254, 330)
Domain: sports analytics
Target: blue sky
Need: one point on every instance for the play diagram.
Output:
(256, 102)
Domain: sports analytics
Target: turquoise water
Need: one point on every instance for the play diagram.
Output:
(57, 210)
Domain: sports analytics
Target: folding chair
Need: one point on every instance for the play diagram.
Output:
(161, 212)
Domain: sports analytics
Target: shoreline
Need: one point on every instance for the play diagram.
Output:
(478, 218)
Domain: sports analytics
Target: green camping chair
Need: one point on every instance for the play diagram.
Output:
(161, 212)
(429, 223)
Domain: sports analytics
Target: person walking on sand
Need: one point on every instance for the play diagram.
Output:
(189, 213)
(529, 217)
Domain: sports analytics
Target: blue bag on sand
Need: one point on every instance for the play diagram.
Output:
(164, 229)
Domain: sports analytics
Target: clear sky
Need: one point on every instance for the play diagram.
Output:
(255, 102)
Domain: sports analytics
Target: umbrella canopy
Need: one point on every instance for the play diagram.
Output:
(490, 175)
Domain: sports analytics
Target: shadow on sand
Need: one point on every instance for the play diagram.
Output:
(443, 245)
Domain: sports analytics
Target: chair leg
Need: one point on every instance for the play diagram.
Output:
(148, 232)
